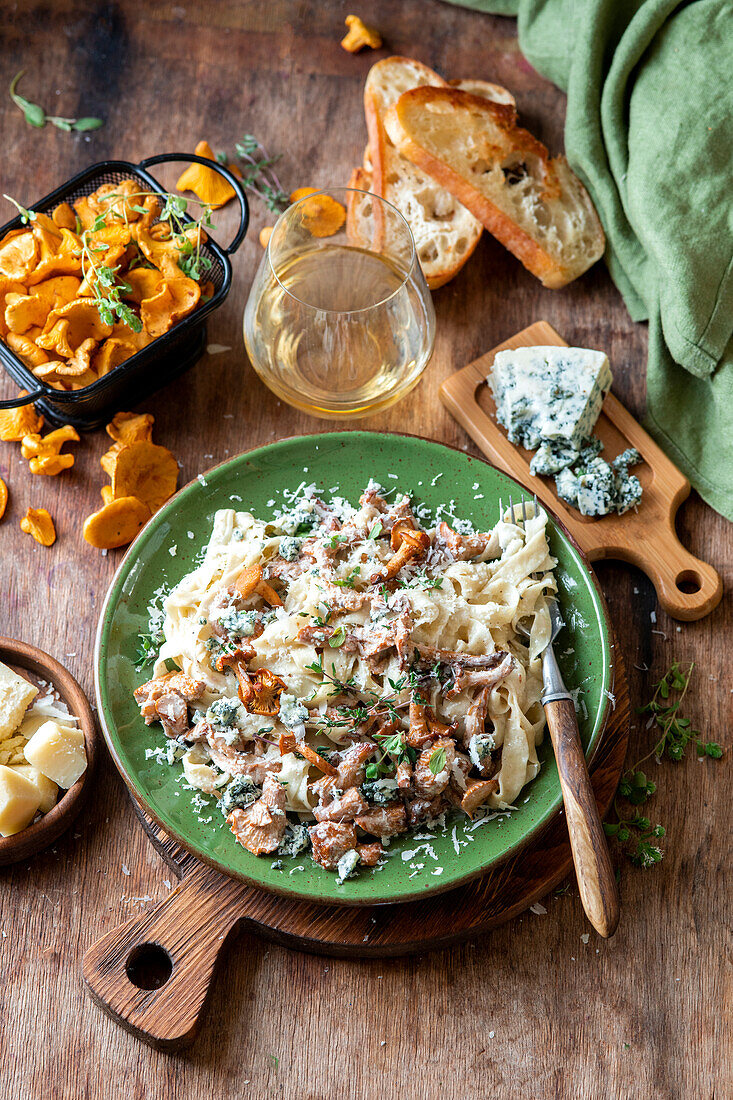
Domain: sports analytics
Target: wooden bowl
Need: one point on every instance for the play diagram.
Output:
(25, 658)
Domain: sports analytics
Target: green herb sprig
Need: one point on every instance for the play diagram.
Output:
(26, 216)
(348, 581)
(147, 650)
(106, 288)
(258, 175)
(636, 829)
(676, 732)
(36, 116)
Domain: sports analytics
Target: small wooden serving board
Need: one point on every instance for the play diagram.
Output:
(152, 975)
(687, 588)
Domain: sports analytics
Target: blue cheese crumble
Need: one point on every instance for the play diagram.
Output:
(347, 865)
(290, 547)
(239, 623)
(598, 488)
(295, 840)
(292, 712)
(552, 456)
(480, 748)
(240, 793)
(223, 712)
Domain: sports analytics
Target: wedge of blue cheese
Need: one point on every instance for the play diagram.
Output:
(550, 395)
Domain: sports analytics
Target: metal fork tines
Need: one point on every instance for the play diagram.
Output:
(554, 687)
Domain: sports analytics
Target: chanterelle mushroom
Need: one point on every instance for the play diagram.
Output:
(238, 662)
(409, 544)
(266, 691)
(477, 792)
(252, 580)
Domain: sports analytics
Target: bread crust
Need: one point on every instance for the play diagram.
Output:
(360, 180)
(548, 268)
(372, 177)
(495, 92)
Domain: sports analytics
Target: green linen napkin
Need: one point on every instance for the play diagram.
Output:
(649, 130)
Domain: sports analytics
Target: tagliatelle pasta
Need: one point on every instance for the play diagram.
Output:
(355, 670)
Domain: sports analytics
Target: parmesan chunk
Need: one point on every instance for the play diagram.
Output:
(199, 775)
(16, 695)
(57, 752)
(19, 801)
(48, 791)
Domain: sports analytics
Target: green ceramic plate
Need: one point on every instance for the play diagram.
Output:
(339, 462)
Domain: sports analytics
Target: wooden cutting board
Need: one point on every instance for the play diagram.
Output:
(687, 588)
(152, 975)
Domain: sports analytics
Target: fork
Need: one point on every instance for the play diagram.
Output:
(596, 880)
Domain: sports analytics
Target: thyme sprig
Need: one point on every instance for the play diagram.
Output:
(36, 116)
(26, 216)
(368, 704)
(258, 174)
(147, 650)
(677, 734)
(106, 289)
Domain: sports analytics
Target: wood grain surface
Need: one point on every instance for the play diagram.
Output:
(531, 1009)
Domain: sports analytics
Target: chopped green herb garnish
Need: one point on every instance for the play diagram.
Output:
(436, 762)
(147, 649)
(337, 638)
(350, 580)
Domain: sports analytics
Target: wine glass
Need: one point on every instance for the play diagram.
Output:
(339, 320)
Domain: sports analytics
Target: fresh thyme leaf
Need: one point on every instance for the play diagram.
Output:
(350, 580)
(83, 125)
(436, 763)
(338, 638)
(375, 531)
(35, 115)
(258, 175)
(147, 650)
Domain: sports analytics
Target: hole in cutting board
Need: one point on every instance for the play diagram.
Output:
(688, 581)
(149, 966)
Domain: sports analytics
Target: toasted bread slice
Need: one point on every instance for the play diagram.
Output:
(445, 232)
(485, 89)
(535, 205)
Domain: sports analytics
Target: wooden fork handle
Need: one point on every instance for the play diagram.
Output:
(596, 880)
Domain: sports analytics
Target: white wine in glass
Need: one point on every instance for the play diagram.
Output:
(342, 325)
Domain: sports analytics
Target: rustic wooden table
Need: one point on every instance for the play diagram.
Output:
(532, 1010)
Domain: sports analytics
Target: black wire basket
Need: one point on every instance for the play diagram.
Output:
(167, 356)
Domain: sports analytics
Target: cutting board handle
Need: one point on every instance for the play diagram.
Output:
(687, 588)
(152, 974)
